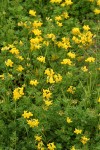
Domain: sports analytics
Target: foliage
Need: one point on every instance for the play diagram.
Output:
(49, 75)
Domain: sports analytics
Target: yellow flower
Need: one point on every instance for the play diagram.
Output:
(38, 138)
(59, 24)
(21, 43)
(75, 31)
(73, 148)
(65, 15)
(55, 1)
(37, 32)
(49, 72)
(33, 123)
(37, 24)
(90, 59)
(76, 40)
(98, 100)
(40, 145)
(50, 79)
(67, 2)
(32, 12)
(66, 61)
(58, 18)
(97, 11)
(68, 120)
(51, 146)
(18, 93)
(34, 82)
(19, 57)
(57, 77)
(77, 131)
(46, 94)
(41, 59)
(27, 114)
(5, 48)
(71, 89)
(84, 68)
(86, 27)
(9, 63)
(20, 68)
(98, 2)
(2, 76)
(51, 36)
(14, 51)
(71, 55)
(48, 102)
(84, 139)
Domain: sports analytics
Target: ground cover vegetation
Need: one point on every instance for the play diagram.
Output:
(49, 74)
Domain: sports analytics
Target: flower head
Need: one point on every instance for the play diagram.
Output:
(27, 114)
(9, 63)
(77, 131)
(51, 146)
(47, 94)
(68, 120)
(41, 59)
(38, 138)
(32, 12)
(84, 139)
(34, 82)
(33, 123)
(90, 59)
(18, 93)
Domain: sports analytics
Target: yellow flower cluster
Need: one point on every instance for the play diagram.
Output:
(90, 59)
(35, 43)
(98, 100)
(18, 93)
(77, 131)
(32, 12)
(65, 43)
(27, 114)
(84, 139)
(97, 11)
(76, 31)
(67, 3)
(46, 94)
(82, 39)
(68, 120)
(20, 68)
(46, 98)
(14, 50)
(66, 62)
(52, 77)
(2, 76)
(41, 59)
(55, 1)
(37, 24)
(71, 54)
(9, 63)
(51, 146)
(33, 122)
(73, 148)
(71, 90)
(84, 69)
(98, 2)
(37, 32)
(34, 82)
(41, 146)
(51, 36)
